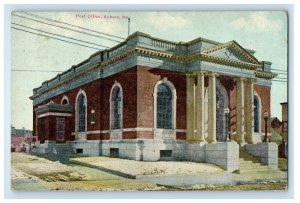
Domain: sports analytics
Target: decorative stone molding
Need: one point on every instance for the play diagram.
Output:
(154, 49)
(265, 75)
(64, 98)
(236, 47)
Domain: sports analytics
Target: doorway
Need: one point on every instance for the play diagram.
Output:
(221, 105)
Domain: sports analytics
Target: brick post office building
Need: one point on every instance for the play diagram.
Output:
(153, 99)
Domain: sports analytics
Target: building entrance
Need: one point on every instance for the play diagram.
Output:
(221, 105)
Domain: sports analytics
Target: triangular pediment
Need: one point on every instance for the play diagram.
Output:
(231, 51)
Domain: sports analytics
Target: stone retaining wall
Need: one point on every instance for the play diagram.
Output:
(267, 153)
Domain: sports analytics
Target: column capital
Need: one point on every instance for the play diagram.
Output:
(191, 75)
(239, 79)
(251, 80)
(201, 73)
(211, 74)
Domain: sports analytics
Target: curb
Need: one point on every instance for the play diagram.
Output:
(125, 175)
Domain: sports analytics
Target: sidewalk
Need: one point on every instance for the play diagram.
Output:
(177, 173)
(132, 169)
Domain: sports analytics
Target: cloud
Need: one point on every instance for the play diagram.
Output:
(165, 21)
(258, 22)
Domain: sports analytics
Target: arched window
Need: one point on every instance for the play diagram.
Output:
(64, 100)
(116, 108)
(164, 107)
(256, 114)
(81, 113)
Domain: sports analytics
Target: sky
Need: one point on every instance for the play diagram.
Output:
(264, 32)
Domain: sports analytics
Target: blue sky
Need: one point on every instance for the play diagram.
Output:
(264, 32)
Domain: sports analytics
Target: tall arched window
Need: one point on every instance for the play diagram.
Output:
(116, 108)
(256, 114)
(81, 113)
(164, 107)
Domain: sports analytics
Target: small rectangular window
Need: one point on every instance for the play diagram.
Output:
(79, 151)
(114, 152)
(165, 153)
(92, 117)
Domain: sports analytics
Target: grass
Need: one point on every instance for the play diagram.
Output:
(241, 187)
(282, 164)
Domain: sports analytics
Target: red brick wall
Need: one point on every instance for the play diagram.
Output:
(138, 85)
(47, 128)
(93, 136)
(34, 123)
(263, 92)
(91, 89)
(128, 81)
(147, 79)
(129, 135)
(265, 96)
(145, 135)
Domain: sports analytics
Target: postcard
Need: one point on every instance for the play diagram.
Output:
(149, 101)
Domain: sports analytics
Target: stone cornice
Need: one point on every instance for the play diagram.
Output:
(265, 75)
(234, 45)
(54, 107)
(157, 54)
(197, 56)
(229, 62)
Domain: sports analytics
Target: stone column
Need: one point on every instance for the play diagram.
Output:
(249, 111)
(240, 110)
(200, 107)
(190, 120)
(211, 108)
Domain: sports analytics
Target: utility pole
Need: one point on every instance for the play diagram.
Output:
(128, 26)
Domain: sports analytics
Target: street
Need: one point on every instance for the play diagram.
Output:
(31, 173)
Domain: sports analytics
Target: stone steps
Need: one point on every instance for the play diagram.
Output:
(248, 163)
(248, 157)
(59, 152)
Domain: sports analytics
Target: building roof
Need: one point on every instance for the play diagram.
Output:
(20, 132)
(54, 107)
(182, 53)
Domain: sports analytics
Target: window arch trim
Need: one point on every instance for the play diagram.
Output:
(255, 95)
(174, 99)
(80, 92)
(64, 98)
(111, 102)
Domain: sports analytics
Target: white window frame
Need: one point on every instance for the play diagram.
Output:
(111, 115)
(81, 91)
(259, 112)
(174, 99)
(64, 98)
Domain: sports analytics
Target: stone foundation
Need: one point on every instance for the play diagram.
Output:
(87, 147)
(225, 154)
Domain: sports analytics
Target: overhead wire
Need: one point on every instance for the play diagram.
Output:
(278, 70)
(62, 27)
(129, 44)
(69, 24)
(56, 38)
(282, 72)
(27, 70)
(60, 35)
